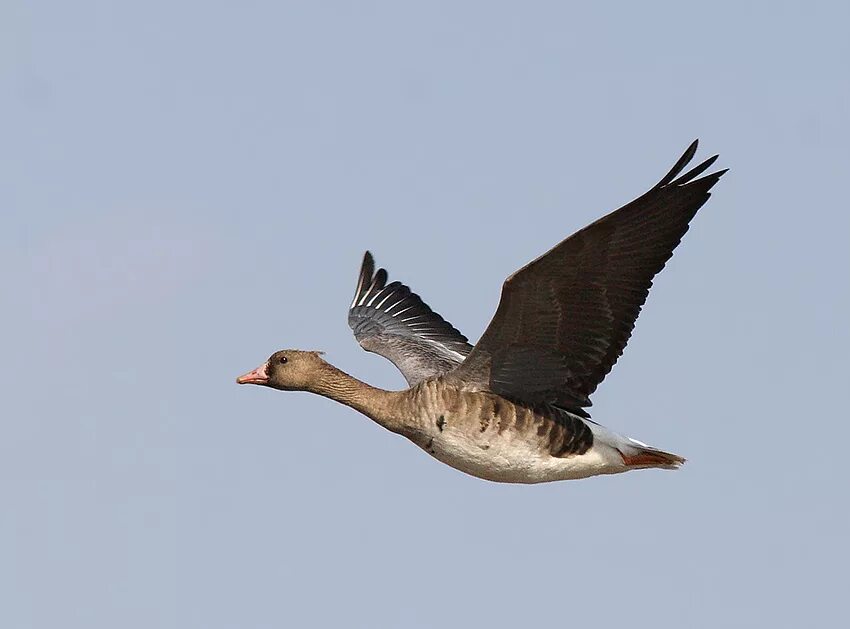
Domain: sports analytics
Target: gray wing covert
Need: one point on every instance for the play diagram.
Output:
(394, 322)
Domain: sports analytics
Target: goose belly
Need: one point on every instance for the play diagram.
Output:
(513, 458)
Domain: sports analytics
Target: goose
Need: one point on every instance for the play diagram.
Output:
(512, 408)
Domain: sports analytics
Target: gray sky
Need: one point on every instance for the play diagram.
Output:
(186, 188)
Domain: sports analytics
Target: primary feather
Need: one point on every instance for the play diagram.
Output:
(394, 322)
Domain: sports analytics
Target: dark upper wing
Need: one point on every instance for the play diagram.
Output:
(565, 318)
(392, 321)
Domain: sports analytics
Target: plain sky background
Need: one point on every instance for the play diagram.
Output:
(186, 187)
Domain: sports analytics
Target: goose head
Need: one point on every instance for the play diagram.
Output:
(288, 370)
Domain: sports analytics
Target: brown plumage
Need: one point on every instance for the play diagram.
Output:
(565, 318)
(511, 408)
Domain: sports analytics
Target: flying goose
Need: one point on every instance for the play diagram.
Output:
(512, 407)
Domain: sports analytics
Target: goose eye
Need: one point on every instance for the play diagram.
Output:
(282, 360)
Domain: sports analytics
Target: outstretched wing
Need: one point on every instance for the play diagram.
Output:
(391, 320)
(564, 319)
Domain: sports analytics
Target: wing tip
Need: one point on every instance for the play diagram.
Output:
(367, 271)
(674, 178)
(683, 161)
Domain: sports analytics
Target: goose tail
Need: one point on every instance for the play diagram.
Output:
(635, 454)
